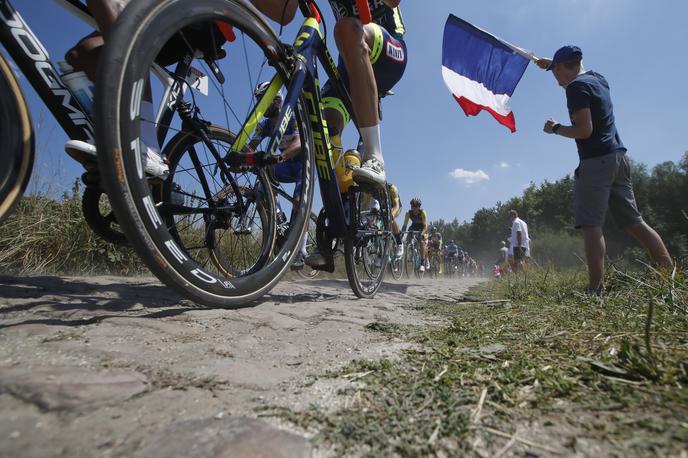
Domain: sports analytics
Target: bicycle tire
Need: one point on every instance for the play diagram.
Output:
(175, 151)
(139, 34)
(376, 246)
(17, 143)
(396, 265)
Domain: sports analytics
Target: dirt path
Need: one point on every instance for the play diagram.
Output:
(105, 366)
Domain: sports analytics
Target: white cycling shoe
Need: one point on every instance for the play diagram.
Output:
(85, 153)
(372, 171)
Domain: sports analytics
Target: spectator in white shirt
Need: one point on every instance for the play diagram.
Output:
(520, 242)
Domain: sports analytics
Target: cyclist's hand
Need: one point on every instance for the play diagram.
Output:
(551, 122)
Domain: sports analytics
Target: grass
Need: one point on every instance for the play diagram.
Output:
(50, 236)
(570, 373)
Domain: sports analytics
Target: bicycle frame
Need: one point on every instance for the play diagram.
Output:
(308, 49)
(33, 60)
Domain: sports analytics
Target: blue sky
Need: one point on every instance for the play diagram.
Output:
(638, 46)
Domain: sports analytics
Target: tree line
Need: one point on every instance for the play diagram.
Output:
(661, 195)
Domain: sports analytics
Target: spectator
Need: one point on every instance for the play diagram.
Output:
(503, 256)
(519, 239)
(603, 176)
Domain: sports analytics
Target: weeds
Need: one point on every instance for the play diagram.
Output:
(570, 373)
(48, 236)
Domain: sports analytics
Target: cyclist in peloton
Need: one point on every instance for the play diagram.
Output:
(434, 243)
(419, 223)
(452, 252)
(84, 56)
(289, 168)
(372, 59)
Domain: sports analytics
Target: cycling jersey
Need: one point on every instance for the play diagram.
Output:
(418, 221)
(383, 15)
(453, 248)
(264, 129)
(435, 240)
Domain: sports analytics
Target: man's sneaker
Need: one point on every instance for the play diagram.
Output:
(82, 152)
(154, 164)
(85, 153)
(422, 269)
(316, 259)
(371, 171)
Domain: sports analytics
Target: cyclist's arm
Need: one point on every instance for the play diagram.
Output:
(406, 220)
(293, 149)
(392, 3)
(425, 222)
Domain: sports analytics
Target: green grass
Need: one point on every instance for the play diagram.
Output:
(586, 370)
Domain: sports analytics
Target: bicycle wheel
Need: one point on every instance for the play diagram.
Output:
(228, 43)
(409, 260)
(17, 143)
(366, 247)
(396, 263)
(307, 272)
(242, 234)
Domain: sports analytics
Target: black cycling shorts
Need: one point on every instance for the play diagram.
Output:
(388, 56)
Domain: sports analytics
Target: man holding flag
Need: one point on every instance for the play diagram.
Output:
(603, 177)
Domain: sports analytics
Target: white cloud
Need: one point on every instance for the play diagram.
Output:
(504, 165)
(469, 177)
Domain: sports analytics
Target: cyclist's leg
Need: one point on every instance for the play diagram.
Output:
(280, 11)
(372, 72)
(85, 54)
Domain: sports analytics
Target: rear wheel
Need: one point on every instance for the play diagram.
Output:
(16, 141)
(195, 247)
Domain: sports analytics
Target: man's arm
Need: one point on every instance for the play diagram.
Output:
(293, 149)
(406, 220)
(581, 128)
(392, 3)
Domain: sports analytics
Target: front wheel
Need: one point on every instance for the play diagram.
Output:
(17, 144)
(366, 247)
(209, 235)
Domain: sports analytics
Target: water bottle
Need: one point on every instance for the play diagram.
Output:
(79, 84)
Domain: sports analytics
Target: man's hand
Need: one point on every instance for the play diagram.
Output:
(549, 125)
(543, 63)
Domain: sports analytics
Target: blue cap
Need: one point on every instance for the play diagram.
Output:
(565, 54)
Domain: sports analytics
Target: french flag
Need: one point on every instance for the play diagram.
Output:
(480, 70)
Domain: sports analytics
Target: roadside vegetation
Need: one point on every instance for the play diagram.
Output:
(525, 366)
(548, 209)
(49, 236)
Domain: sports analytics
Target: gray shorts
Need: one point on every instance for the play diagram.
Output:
(601, 183)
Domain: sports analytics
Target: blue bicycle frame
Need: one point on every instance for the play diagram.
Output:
(308, 49)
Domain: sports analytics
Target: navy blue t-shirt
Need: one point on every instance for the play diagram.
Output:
(591, 90)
